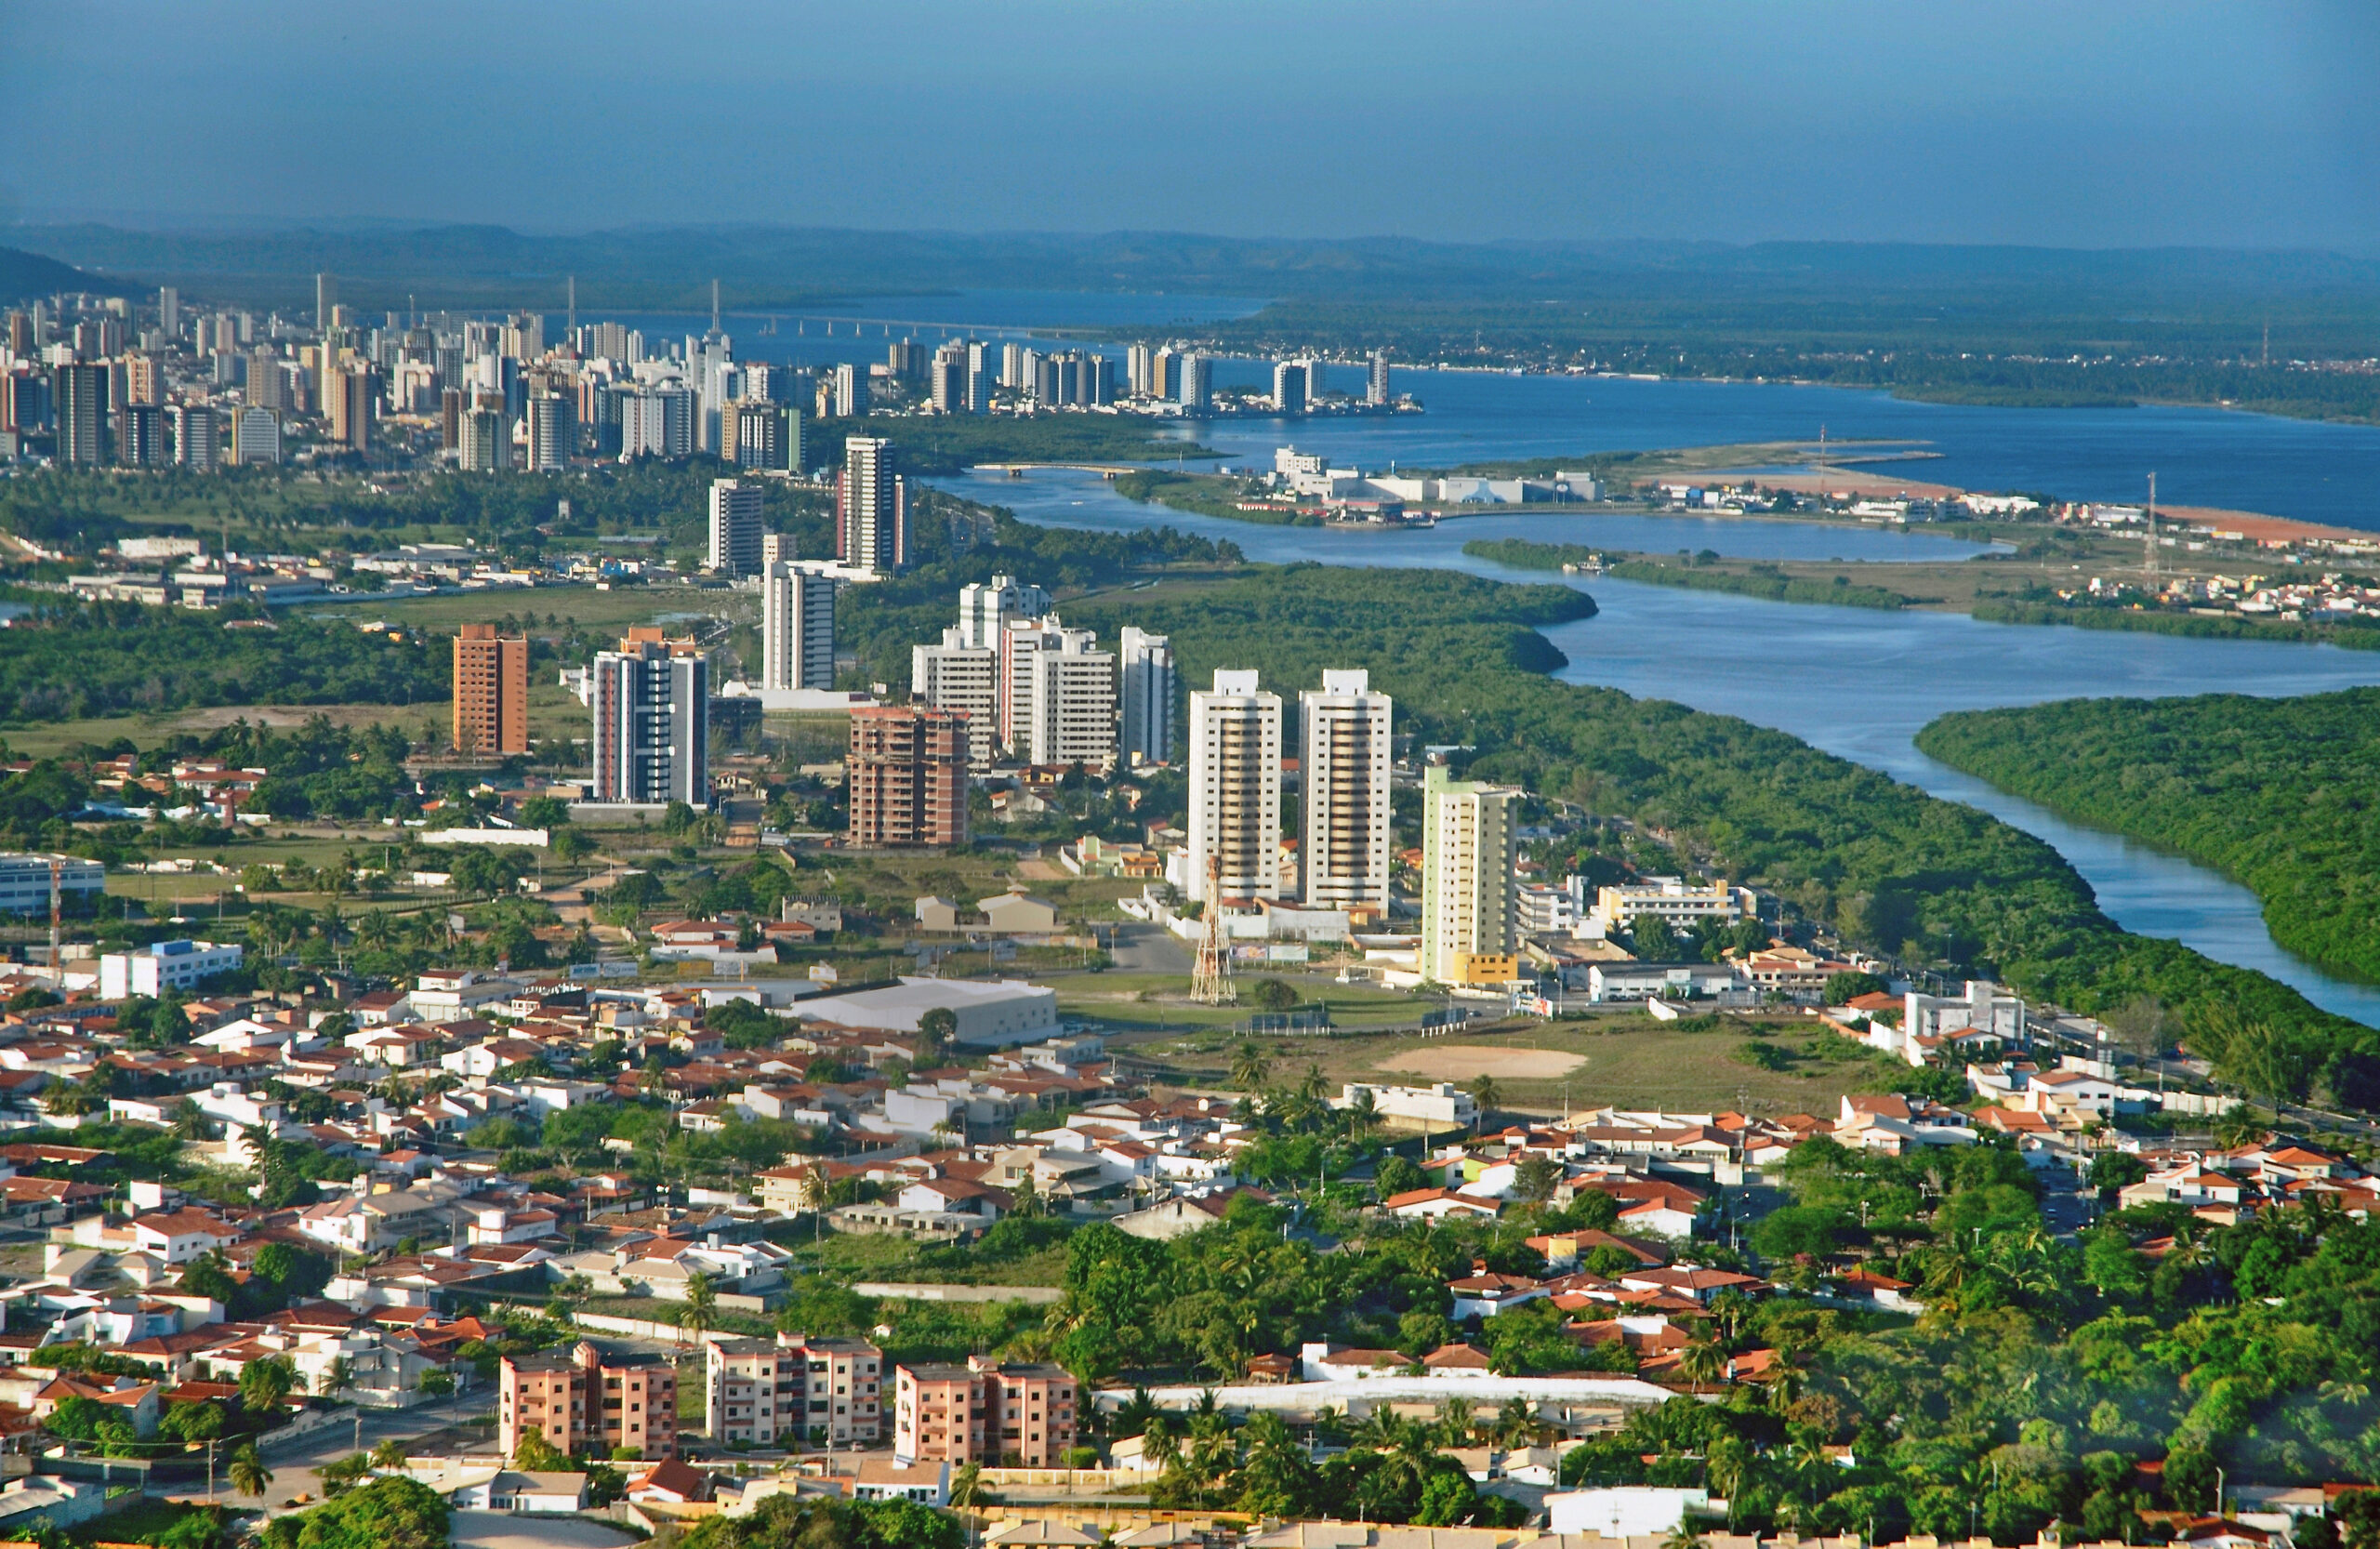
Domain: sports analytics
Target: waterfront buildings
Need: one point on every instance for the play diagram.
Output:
(490, 691)
(1290, 389)
(1235, 788)
(1343, 769)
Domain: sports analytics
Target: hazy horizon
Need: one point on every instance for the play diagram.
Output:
(2025, 122)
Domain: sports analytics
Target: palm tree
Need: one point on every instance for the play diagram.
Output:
(337, 1377)
(1456, 1423)
(249, 1475)
(1486, 1095)
(1516, 1422)
(1315, 1086)
(701, 1308)
(264, 1383)
(1250, 1068)
(968, 1492)
(1702, 1362)
(1363, 1115)
(389, 1455)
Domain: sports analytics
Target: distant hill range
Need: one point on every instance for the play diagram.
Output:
(672, 267)
(26, 275)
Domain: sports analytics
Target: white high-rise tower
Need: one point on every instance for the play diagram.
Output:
(1343, 763)
(1236, 789)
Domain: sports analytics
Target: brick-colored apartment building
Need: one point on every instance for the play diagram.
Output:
(585, 1400)
(985, 1411)
(817, 1389)
(905, 775)
(490, 690)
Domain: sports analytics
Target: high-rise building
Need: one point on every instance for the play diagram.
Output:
(1073, 704)
(1144, 693)
(905, 776)
(1162, 366)
(80, 396)
(483, 440)
(267, 387)
(256, 437)
(983, 1412)
(1288, 389)
(979, 371)
(1235, 787)
(797, 629)
(871, 508)
(658, 423)
(144, 380)
(583, 1400)
(760, 436)
(1139, 360)
(1467, 934)
(349, 395)
(325, 300)
(1343, 766)
(735, 528)
(948, 379)
(169, 310)
(552, 432)
(956, 676)
(1317, 378)
(986, 608)
(1020, 640)
(652, 705)
(1376, 385)
(140, 436)
(906, 359)
(490, 691)
(198, 437)
(795, 1388)
(850, 392)
(1196, 374)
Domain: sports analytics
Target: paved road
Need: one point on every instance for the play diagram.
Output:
(294, 1467)
(1151, 949)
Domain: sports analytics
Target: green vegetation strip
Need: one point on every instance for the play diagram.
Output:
(2354, 637)
(1762, 580)
(2277, 793)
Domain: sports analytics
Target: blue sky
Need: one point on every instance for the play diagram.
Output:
(2093, 123)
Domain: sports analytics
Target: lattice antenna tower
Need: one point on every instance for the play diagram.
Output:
(1210, 975)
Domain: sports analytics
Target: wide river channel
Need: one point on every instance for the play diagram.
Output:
(1856, 682)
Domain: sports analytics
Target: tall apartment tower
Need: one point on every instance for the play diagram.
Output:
(1467, 926)
(140, 436)
(905, 775)
(985, 608)
(760, 436)
(1021, 642)
(1144, 693)
(956, 676)
(256, 437)
(1290, 389)
(79, 397)
(1163, 369)
(350, 394)
(198, 436)
(850, 392)
(871, 508)
(651, 732)
(948, 380)
(325, 300)
(1376, 385)
(1196, 375)
(1235, 787)
(735, 528)
(490, 691)
(797, 629)
(169, 310)
(552, 432)
(1139, 361)
(1343, 762)
(1073, 704)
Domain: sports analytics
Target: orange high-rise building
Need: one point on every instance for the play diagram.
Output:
(905, 776)
(490, 691)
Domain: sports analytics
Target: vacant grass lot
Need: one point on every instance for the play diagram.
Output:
(1628, 1061)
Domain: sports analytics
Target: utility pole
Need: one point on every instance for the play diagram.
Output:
(2149, 534)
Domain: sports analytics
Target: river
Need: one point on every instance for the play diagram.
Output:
(1855, 682)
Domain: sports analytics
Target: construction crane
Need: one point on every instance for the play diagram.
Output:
(1210, 975)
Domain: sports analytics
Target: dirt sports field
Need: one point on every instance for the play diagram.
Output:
(1460, 1062)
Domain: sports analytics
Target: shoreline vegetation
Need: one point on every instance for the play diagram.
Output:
(1767, 581)
(2351, 637)
(2271, 792)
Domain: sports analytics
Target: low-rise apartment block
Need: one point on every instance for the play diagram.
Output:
(985, 1411)
(584, 1400)
(817, 1389)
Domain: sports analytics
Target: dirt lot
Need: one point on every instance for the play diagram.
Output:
(1460, 1062)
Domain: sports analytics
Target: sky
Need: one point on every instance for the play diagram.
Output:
(2076, 123)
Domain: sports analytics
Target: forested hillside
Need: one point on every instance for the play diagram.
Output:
(2278, 793)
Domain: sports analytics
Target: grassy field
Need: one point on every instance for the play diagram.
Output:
(590, 608)
(1624, 1060)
